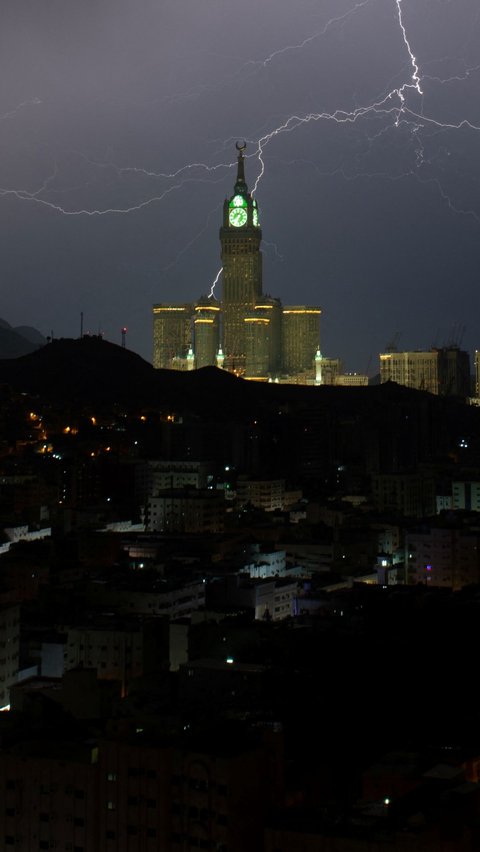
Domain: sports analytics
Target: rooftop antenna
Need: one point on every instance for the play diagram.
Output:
(124, 336)
(81, 324)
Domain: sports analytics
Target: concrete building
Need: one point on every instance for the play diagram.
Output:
(172, 336)
(271, 599)
(442, 556)
(9, 650)
(411, 495)
(300, 338)
(266, 494)
(120, 650)
(327, 369)
(50, 798)
(466, 496)
(413, 369)
(351, 380)
(444, 371)
(186, 510)
(154, 475)
(206, 332)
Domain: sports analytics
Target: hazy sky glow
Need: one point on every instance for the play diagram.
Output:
(363, 128)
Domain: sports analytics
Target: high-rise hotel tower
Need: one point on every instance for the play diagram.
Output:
(240, 238)
(247, 332)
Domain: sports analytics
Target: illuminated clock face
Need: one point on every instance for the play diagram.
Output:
(237, 216)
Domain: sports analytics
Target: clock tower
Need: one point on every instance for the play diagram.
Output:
(240, 238)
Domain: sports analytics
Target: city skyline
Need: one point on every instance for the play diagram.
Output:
(361, 121)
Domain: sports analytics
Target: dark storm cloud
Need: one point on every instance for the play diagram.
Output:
(376, 222)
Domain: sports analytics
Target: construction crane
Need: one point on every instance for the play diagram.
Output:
(393, 345)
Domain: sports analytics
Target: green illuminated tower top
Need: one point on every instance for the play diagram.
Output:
(241, 210)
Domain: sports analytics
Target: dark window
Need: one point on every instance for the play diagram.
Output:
(44, 844)
(43, 817)
(151, 832)
(132, 829)
(10, 811)
(79, 821)
(9, 840)
(79, 794)
(151, 773)
(151, 803)
(132, 800)
(10, 784)
(110, 835)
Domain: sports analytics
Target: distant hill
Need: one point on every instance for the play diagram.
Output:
(15, 342)
(92, 370)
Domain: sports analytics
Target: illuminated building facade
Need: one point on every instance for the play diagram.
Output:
(206, 332)
(247, 332)
(240, 238)
(172, 336)
(443, 371)
(300, 337)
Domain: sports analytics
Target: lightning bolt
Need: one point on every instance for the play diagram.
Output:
(215, 282)
(192, 242)
(455, 78)
(275, 250)
(385, 106)
(392, 106)
(416, 71)
(24, 195)
(291, 47)
(19, 107)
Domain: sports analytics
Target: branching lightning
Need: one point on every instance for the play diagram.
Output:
(19, 107)
(292, 47)
(397, 107)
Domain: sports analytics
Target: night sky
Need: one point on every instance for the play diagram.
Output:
(134, 106)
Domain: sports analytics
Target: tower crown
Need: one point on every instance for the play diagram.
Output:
(240, 184)
(240, 211)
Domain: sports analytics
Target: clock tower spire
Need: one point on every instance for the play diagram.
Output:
(240, 238)
(240, 185)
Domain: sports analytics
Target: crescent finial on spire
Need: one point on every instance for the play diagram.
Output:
(240, 186)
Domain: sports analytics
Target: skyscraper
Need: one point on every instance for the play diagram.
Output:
(206, 331)
(172, 335)
(444, 371)
(247, 332)
(240, 237)
(300, 337)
